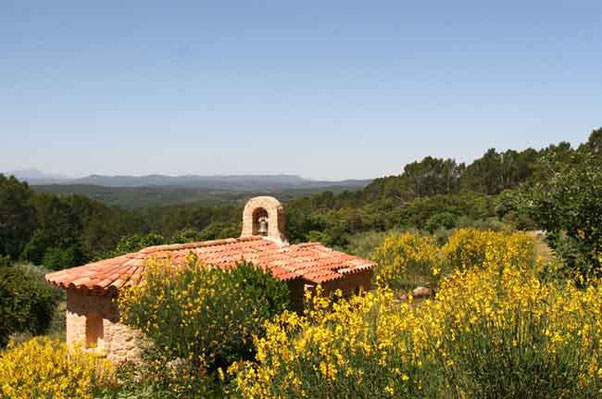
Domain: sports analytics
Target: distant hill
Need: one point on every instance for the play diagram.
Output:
(34, 176)
(227, 182)
(217, 182)
(160, 190)
(157, 196)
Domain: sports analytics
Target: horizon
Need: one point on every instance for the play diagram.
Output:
(59, 176)
(335, 91)
(35, 171)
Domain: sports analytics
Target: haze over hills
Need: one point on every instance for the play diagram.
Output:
(250, 182)
(225, 182)
(160, 190)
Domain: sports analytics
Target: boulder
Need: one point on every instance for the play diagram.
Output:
(421, 292)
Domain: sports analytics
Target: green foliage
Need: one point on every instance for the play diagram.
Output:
(433, 176)
(187, 235)
(17, 217)
(206, 317)
(568, 207)
(443, 220)
(157, 377)
(594, 143)
(496, 172)
(136, 242)
(363, 244)
(5, 261)
(62, 258)
(217, 230)
(432, 194)
(27, 303)
(61, 231)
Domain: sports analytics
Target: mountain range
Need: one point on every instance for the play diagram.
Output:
(216, 182)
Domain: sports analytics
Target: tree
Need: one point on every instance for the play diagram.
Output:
(58, 227)
(568, 207)
(433, 176)
(594, 144)
(497, 171)
(17, 216)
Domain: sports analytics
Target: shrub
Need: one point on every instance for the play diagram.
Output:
(27, 303)
(471, 247)
(443, 220)
(491, 332)
(5, 261)
(62, 258)
(363, 244)
(199, 317)
(41, 368)
(568, 207)
(136, 242)
(406, 259)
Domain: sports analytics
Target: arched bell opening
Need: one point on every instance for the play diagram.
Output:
(260, 222)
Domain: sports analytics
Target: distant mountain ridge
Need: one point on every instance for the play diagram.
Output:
(249, 182)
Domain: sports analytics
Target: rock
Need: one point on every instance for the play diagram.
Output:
(422, 292)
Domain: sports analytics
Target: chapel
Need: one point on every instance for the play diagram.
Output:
(92, 311)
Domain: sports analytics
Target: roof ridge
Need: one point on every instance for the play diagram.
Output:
(196, 244)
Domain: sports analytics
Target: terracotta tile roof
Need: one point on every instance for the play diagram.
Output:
(312, 262)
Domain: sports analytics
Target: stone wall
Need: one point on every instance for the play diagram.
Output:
(349, 285)
(120, 343)
(117, 341)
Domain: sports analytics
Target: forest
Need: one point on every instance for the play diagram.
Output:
(63, 230)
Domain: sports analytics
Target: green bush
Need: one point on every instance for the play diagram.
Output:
(443, 220)
(568, 207)
(5, 261)
(136, 242)
(200, 318)
(62, 258)
(27, 303)
(363, 244)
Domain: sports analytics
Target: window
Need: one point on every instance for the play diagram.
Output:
(94, 331)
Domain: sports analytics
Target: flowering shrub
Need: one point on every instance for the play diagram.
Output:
(470, 247)
(492, 331)
(200, 318)
(406, 259)
(41, 368)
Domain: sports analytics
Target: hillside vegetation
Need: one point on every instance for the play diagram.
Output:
(64, 230)
(499, 313)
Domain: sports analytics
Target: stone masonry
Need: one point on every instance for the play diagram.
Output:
(116, 340)
(275, 214)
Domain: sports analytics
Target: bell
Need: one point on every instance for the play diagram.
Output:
(263, 226)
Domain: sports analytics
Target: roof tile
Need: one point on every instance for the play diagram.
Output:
(309, 261)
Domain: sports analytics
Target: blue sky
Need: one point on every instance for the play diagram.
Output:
(324, 89)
